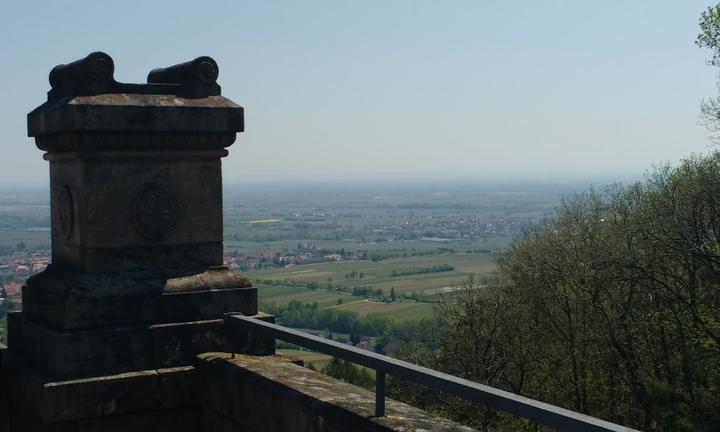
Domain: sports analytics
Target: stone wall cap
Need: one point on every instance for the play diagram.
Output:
(154, 100)
(124, 112)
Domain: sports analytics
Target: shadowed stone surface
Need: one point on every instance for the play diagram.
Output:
(107, 396)
(137, 286)
(270, 394)
(75, 301)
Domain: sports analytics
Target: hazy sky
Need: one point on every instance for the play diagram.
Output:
(394, 88)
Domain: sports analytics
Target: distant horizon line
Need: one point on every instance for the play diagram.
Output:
(374, 179)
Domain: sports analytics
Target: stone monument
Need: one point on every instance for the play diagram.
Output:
(137, 288)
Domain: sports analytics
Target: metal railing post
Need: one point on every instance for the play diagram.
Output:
(379, 393)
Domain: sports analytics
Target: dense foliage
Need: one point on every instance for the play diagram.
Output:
(309, 315)
(349, 372)
(612, 309)
(709, 37)
(423, 270)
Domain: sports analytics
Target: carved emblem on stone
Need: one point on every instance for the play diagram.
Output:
(155, 213)
(65, 212)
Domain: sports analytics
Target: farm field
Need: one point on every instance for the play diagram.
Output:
(400, 311)
(282, 295)
(391, 247)
(379, 274)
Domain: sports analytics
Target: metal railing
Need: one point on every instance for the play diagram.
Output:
(540, 412)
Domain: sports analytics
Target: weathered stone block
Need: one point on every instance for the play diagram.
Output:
(4, 388)
(138, 213)
(135, 178)
(87, 353)
(177, 344)
(68, 300)
(37, 397)
(170, 420)
(97, 397)
(223, 391)
(280, 396)
(136, 113)
(137, 281)
(180, 386)
(208, 304)
(18, 343)
(216, 422)
(29, 424)
(247, 342)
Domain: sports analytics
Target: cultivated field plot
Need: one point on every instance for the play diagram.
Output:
(380, 274)
(399, 311)
(282, 295)
(392, 247)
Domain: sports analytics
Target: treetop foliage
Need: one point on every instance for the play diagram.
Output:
(612, 309)
(709, 37)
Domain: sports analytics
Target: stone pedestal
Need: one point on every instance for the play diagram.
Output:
(137, 287)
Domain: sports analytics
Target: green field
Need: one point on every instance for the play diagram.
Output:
(378, 274)
(400, 311)
(392, 247)
(282, 295)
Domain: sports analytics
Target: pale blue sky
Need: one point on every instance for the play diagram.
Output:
(394, 88)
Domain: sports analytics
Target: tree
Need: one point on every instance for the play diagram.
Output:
(610, 309)
(349, 372)
(709, 37)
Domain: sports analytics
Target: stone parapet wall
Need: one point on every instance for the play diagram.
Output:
(221, 392)
(271, 394)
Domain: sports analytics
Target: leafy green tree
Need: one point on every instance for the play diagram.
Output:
(709, 37)
(349, 372)
(611, 309)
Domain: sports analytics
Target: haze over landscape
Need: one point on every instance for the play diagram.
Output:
(524, 195)
(396, 89)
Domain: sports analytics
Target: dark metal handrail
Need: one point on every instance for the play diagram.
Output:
(540, 412)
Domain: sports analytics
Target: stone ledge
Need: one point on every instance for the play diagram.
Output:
(271, 394)
(66, 355)
(96, 301)
(136, 113)
(52, 402)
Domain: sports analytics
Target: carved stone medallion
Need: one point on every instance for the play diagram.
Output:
(155, 213)
(65, 212)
